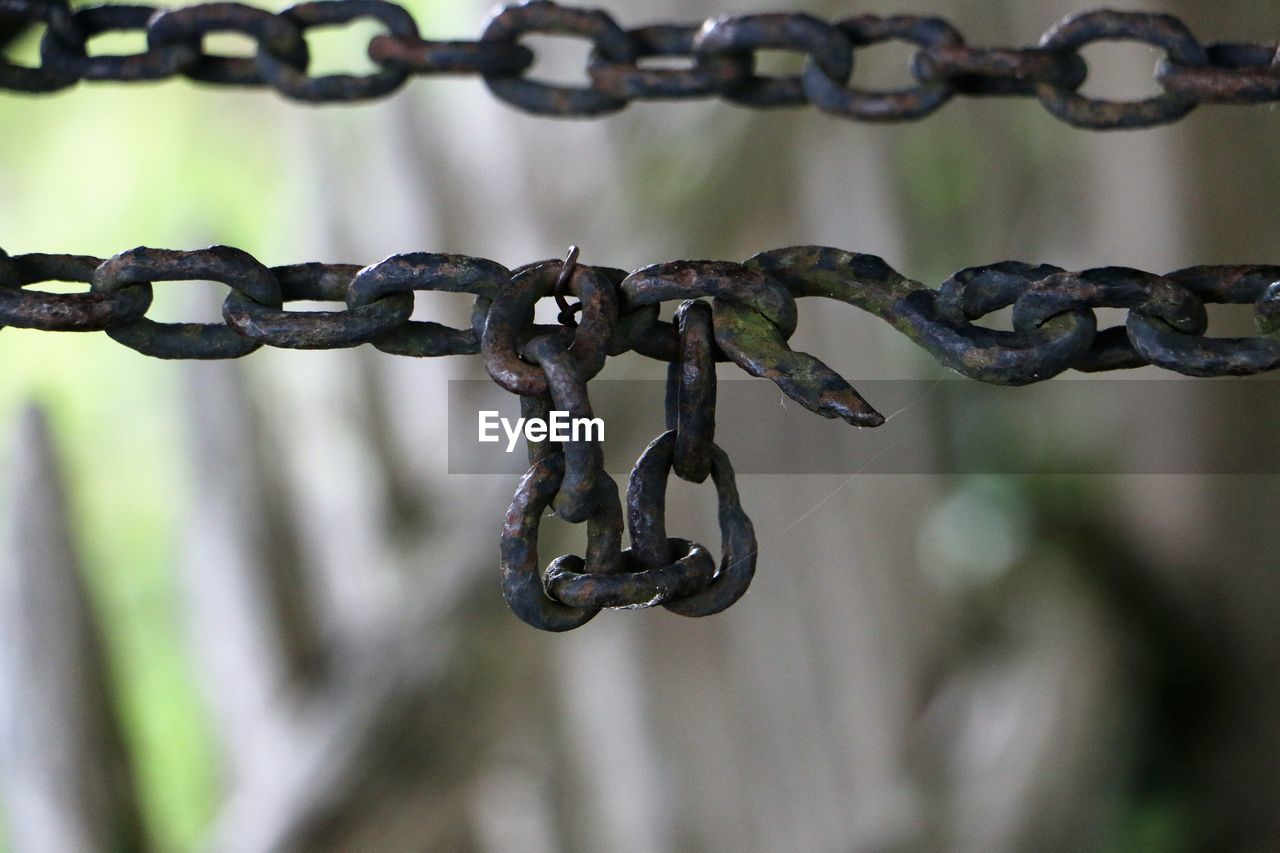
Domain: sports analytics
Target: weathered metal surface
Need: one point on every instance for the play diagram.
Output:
(834, 96)
(450, 57)
(692, 279)
(142, 266)
(1161, 342)
(512, 311)
(316, 329)
(998, 71)
(691, 392)
(540, 17)
(632, 80)
(275, 35)
(636, 588)
(282, 72)
(1079, 31)
(63, 312)
(828, 52)
(646, 523)
(1235, 74)
(426, 271)
(583, 458)
(521, 568)
(19, 15)
(721, 52)
(65, 50)
(757, 346)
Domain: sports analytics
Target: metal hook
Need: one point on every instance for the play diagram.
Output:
(562, 289)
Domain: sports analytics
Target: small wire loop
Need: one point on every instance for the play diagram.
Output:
(567, 268)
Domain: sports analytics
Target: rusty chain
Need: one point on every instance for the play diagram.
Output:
(744, 313)
(720, 56)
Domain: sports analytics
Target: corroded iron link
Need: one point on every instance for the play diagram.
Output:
(721, 55)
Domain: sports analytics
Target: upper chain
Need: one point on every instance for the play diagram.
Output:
(721, 54)
(753, 308)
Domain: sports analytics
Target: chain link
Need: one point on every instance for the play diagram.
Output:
(721, 55)
(739, 312)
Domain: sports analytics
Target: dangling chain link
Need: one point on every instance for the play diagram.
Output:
(721, 53)
(744, 313)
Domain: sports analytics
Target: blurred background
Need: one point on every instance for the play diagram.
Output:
(245, 607)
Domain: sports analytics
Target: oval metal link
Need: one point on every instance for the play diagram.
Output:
(189, 25)
(63, 312)
(1196, 355)
(450, 57)
(45, 78)
(141, 267)
(277, 327)
(583, 458)
(632, 81)
(828, 51)
(639, 330)
(537, 449)
(71, 56)
(522, 584)
(863, 31)
(430, 272)
(1109, 287)
(543, 17)
(691, 392)
(998, 71)
(512, 314)
(1236, 74)
(633, 588)
(646, 523)
(695, 279)
(1078, 31)
(294, 82)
